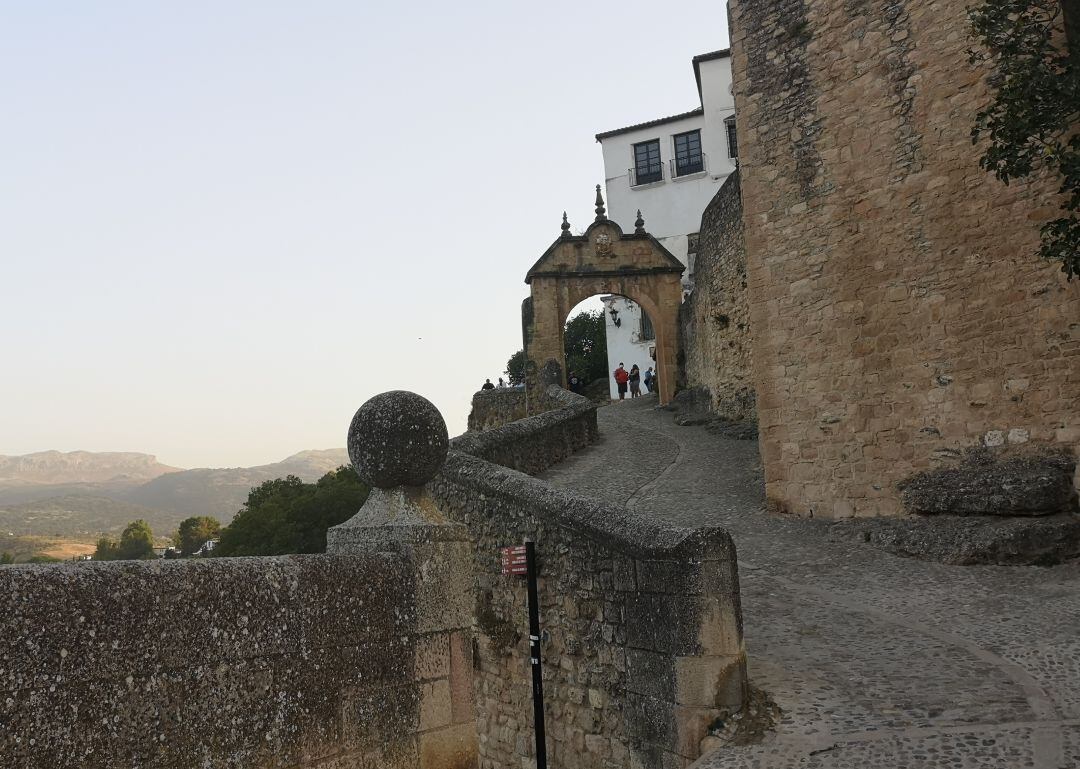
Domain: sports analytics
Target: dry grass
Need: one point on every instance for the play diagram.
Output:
(23, 548)
(66, 548)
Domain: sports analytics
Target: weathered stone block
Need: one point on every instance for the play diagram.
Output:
(461, 677)
(435, 706)
(453, 747)
(669, 577)
(432, 656)
(710, 682)
(662, 623)
(650, 673)
(989, 483)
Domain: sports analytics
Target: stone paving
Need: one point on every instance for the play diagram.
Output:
(875, 660)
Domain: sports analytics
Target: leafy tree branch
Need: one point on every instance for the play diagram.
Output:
(1033, 121)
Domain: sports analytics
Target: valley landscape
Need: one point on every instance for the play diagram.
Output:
(57, 503)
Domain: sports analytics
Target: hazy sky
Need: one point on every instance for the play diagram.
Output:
(225, 225)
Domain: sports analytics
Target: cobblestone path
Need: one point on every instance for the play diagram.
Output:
(875, 660)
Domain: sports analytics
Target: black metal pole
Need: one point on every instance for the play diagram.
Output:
(534, 655)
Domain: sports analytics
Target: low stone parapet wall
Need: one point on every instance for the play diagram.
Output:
(494, 408)
(297, 661)
(642, 628)
(535, 443)
(365, 656)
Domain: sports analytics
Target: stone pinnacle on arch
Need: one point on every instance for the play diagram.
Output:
(639, 224)
(601, 212)
(565, 226)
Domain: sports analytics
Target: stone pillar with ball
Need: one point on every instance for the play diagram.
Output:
(397, 443)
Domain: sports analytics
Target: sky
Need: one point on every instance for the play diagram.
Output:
(225, 225)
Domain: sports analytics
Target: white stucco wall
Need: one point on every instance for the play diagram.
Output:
(672, 207)
(669, 205)
(624, 342)
(718, 103)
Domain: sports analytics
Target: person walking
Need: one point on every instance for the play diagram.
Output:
(635, 381)
(649, 379)
(621, 378)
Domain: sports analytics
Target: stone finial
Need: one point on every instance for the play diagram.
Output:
(639, 224)
(397, 438)
(565, 226)
(601, 212)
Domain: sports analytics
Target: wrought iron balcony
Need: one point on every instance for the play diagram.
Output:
(654, 174)
(687, 167)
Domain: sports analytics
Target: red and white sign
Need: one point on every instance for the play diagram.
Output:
(514, 561)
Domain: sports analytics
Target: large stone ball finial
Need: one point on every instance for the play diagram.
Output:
(397, 438)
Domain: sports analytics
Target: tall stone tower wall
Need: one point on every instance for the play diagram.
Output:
(714, 321)
(899, 309)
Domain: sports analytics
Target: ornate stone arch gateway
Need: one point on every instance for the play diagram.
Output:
(602, 261)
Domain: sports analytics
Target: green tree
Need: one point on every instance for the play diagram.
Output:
(136, 542)
(1032, 120)
(194, 532)
(286, 515)
(106, 550)
(6, 558)
(585, 341)
(515, 368)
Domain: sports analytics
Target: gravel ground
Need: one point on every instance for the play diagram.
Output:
(875, 660)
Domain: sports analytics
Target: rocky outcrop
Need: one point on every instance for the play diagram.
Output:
(695, 407)
(968, 540)
(988, 482)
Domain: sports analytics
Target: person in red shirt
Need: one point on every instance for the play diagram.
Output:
(621, 378)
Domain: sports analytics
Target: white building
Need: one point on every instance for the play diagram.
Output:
(630, 338)
(669, 169)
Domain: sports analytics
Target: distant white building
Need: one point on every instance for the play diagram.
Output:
(669, 169)
(630, 338)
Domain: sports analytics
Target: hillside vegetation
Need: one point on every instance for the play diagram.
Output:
(76, 516)
(221, 492)
(61, 495)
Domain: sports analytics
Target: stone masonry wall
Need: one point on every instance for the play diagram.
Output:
(501, 406)
(494, 408)
(536, 443)
(298, 661)
(900, 311)
(715, 320)
(642, 627)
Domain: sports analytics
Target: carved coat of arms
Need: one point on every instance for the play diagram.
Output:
(603, 245)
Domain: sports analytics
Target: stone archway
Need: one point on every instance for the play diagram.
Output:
(602, 261)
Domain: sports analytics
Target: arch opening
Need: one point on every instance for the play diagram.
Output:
(627, 335)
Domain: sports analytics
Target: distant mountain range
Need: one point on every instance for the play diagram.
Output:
(83, 493)
(57, 467)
